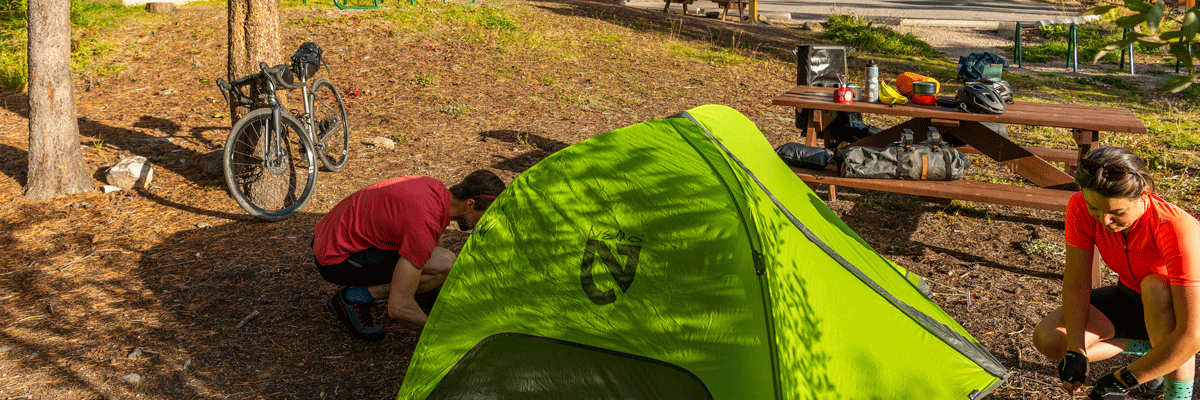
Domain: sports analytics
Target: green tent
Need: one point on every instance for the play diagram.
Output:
(681, 259)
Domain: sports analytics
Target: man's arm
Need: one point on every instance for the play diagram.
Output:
(401, 305)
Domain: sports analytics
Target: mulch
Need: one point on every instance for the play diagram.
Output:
(174, 293)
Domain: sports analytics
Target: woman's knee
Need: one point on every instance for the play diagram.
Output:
(1049, 336)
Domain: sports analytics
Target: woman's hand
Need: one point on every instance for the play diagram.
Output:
(1073, 370)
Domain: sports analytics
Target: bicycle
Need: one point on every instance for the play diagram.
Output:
(270, 156)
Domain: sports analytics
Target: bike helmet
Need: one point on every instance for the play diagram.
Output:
(1003, 89)
(979, 98)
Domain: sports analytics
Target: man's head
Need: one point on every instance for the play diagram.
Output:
(474, 195)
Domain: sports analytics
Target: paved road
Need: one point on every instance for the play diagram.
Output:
(964, 13)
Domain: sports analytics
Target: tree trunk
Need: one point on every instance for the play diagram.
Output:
(254, 37)
(55, 155)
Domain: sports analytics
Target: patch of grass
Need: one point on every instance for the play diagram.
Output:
(711, 55)
(883, 203)
(865, 36)
(1115, 82)
(959, 207)
(1036, 247)
(399, 138)
(425, 80)
(456, 110)
(89, 22)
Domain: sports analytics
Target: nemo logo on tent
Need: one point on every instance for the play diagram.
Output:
(622, 274)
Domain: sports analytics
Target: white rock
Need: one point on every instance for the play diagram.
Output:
(380, 141)
(131, 378)
(110, 188)
(130, 173)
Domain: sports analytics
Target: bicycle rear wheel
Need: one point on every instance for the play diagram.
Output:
(330, 123)
(271, 181)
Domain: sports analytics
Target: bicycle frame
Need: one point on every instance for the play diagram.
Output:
(274, 152)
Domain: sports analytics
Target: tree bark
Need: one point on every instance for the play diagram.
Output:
(254, 37)
(55, 155)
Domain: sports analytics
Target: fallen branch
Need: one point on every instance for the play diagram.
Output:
(68, 265)
(247, 319)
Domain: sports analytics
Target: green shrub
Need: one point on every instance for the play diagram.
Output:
(865, 36)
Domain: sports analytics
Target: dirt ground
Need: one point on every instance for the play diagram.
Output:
(174, 293)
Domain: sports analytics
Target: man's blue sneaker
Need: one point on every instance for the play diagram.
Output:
(356, 318)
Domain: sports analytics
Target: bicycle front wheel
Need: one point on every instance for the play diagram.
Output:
(270, 173)
(332, 129)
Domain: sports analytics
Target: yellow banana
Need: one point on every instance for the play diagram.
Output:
(889, 95)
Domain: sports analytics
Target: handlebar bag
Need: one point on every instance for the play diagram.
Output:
(307, 60)
(932, 160)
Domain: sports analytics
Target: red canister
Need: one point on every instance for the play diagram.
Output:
(843, 95)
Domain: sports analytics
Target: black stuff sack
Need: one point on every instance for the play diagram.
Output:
(980, 67)
(804, 156)
(931, 160)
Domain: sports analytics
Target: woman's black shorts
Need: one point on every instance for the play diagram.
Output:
(1123, 307)
(369, 267)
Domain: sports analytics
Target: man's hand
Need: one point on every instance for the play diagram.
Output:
(1111, 387)
(1073, 370)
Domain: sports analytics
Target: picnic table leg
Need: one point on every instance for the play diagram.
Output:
(817, 121)
(1012, 155)
(1087, 141)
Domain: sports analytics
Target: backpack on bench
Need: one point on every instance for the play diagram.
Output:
(931, 160)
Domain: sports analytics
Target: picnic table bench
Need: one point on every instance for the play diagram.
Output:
(1052, 186)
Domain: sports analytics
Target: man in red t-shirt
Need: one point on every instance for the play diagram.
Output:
(380, 243)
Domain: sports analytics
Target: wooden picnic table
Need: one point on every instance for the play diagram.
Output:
(1053, 186)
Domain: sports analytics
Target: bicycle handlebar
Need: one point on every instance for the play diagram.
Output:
(279, 74)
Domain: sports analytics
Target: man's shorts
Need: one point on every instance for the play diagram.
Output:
(1123, 307)
(369, 267)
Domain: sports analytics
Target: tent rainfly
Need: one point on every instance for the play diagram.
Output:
(680, 258)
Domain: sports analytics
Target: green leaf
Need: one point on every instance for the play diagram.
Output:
(1181, 53)
(1131, 21)
(1101, 10)
(1151, 42)
(1155, 15)
(1170, 35)
(1137, 5)
(1177, 84)
(1190, 25)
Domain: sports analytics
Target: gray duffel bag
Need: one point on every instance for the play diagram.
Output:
(931, 160)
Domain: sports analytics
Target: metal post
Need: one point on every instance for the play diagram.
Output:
(1017, 45)
(1123, 36)
(1074, 49)
(1131, 70)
